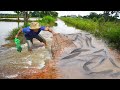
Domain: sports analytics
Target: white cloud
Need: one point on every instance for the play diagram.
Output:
(82, 13)
(7, 12)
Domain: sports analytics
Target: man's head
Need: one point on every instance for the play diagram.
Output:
(34, 26)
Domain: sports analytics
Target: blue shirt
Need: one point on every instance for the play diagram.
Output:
(29, 34)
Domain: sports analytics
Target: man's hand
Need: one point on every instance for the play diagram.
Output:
(16, 36)
(18, 33)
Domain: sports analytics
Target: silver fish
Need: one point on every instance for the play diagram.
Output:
(115, 74)
(80, 50)
(111, 60)
(71, 56)
(100, 62)
(98, 51)
(85, 66)
(102, 72)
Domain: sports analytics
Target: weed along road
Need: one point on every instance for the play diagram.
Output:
(78, 55)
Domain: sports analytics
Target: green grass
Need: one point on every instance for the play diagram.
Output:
(108, 31)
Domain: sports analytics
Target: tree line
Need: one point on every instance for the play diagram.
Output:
(107, 15)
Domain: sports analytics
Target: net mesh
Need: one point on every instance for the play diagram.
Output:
(59, 43)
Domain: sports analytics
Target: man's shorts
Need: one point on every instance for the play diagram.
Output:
(30, 41)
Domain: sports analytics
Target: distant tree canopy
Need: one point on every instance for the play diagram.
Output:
(43, 13)
(40, 14)
(108, 15)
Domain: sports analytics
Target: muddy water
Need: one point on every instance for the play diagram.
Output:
(90, 59)
(14, 64)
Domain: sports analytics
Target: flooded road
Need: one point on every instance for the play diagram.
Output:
(89, 58)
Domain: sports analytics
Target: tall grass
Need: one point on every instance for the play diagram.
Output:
(109, 31)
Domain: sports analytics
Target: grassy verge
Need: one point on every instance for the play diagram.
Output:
(46, 21)
(108, 31)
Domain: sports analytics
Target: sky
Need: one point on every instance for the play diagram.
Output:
(62, 13)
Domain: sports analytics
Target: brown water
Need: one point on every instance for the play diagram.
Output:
(89, 59)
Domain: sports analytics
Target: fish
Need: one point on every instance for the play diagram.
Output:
(87, 42)
(80, 50)
(102, 72)
(85, 66)
(75, 38)
(100, 62)
(115, 74)
(90, 39)
(72, 55)
(98, 51)
(111, 60)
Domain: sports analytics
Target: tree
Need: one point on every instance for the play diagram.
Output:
(92, 15)
(18, 15)
(26, 17)
(111, 15)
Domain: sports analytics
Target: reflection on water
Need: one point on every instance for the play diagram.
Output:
(21, 18)
(63, 28)
(5, 28)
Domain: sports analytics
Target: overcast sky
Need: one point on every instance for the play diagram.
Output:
(62, 13)
(82, 13)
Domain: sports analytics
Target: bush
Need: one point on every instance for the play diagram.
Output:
(47, 20)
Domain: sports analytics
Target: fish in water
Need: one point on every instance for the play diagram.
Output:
(100, 62)
(102, 72)
(115, 74)
(71, 56)
(111, 60)
(85, 66)
(80, 50)
(98, 51)
(87, 42)
(75, 38)
(90, 39)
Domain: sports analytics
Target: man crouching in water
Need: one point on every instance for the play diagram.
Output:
(33, 31)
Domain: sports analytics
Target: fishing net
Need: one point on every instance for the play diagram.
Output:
(59, 43)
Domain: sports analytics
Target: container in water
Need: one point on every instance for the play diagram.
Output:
(18, 45)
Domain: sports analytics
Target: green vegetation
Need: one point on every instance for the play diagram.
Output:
(109, 31)
(47, 21)
(41, 14)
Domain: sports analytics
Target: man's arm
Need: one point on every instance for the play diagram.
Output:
(50, 30)
(18, 33)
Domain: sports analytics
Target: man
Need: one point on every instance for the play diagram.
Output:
(33, 31)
